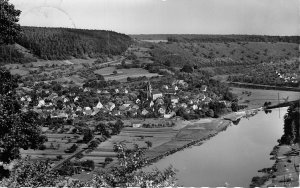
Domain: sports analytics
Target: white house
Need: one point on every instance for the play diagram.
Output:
(137, 125)
(110, 106)
(41, 103)
(87, 108)
(174, 100)
(99, 105)
(168, 116)
(156, 94)
(76, 99)
(66, 100)
(145, 112)
(137, 101)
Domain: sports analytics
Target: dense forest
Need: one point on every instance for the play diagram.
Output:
(64, 43)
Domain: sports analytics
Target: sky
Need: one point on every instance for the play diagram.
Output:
(263, 17)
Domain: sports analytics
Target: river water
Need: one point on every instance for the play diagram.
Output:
(232, 157)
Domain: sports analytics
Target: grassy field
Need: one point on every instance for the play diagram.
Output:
(259, 96)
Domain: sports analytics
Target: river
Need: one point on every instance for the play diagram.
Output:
(233, 156)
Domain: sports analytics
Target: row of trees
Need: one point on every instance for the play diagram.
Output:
(291, 125)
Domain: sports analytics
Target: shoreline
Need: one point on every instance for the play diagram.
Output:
(285, 170)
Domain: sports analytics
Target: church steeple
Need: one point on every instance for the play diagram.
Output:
(149, 90)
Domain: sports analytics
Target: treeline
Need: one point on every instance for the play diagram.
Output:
(233, 38)
(291, 125)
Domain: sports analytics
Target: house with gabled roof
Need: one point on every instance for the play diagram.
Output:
(110, 106)
(156, 94)
(99, 105)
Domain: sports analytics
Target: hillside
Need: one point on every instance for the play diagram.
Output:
(269, 63)
(65, 43)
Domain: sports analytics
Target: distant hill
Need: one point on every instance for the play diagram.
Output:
(217, 38)
(64, 43)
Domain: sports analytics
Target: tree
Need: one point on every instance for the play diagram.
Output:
(187, 68)
(116, 128)
(9, 29)
(87, 135)
(26, 173)
(234, 106)
(149, 143)
(18, 129)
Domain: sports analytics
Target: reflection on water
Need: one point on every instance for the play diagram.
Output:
(232, 157)
(268, 111)
(236, 122)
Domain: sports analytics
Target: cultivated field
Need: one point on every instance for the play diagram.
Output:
(123, 74)
(259, 96)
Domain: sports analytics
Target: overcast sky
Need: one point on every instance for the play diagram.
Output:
(267, 17)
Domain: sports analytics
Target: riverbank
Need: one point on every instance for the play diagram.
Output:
(196, 132)
(284, 172)
(191, 134)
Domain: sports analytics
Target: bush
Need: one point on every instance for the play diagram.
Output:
(72, 149)
(42, 147)
(94, 144)
(87, 136)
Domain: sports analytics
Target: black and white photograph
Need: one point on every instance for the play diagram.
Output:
(149, 93)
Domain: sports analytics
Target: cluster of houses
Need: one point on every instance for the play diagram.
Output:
(121, 102)
(289, 77)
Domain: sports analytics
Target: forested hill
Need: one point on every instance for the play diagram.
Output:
(64, 43)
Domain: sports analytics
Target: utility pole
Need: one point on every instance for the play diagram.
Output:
(278, 103)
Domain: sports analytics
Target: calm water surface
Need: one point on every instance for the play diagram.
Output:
(233, 156)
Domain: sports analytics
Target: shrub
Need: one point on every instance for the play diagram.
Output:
(42, 147)
(72, 149)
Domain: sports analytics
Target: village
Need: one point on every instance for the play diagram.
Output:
(119, 102)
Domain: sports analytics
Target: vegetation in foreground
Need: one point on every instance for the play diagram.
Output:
(28, 173)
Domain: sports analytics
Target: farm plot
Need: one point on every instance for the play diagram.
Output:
(134, 72)
(130, 136)
(55, 146)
